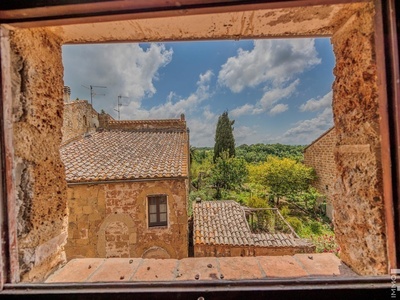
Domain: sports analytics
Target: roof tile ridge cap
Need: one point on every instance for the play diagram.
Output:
(76, 101)
(146, 121)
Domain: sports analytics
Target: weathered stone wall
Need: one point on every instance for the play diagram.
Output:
(37, 102)
(358, 200)
(79, 118)
(231, 251)
(110, 220)
(320, 156)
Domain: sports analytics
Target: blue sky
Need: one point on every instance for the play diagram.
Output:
(277, 91)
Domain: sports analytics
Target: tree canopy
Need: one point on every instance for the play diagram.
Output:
(224, 140)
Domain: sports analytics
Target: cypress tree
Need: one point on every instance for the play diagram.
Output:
(224, 140)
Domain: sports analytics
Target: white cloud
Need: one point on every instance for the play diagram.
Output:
(242, 110)
(317, 104)
(205, 78)
(125, 69)
(279, 108)
(268, 102)
(307, 131)
(202, 128)
(171, 108)
(272, 96)
(244, 135)
(270, 60)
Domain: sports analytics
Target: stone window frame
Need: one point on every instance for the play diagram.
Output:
(157, 224)
(366, 282)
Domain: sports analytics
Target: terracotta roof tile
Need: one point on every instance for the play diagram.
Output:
(224, 223)
(123, 154)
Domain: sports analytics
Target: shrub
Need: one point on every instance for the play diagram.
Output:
(295, 223)
(316, 227)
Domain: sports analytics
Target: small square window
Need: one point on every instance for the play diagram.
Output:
(157, 208)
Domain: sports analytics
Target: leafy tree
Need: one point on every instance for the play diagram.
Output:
(286, 178)
(224, 140)
(228, 173)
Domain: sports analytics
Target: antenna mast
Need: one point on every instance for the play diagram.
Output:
(119, 104)
(92, 93)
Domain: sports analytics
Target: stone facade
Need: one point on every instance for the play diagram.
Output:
(79, 118)
(110, 220)
(358, 192)
(37, 171)
(320, 156)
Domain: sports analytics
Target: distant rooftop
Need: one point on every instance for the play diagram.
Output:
(224, 222)
(127, 155)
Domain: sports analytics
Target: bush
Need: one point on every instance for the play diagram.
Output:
(296, 224)
(316, 227)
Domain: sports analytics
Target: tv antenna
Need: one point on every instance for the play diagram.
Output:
(92, 93)
(119, 104)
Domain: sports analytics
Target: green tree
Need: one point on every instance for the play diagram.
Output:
(224, 140)
(228, 173)
(285, 178)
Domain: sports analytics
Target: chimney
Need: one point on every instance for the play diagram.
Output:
(67, 94)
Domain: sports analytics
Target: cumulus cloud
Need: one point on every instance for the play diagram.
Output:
(272, 96)
(126, 69)
(268, 102)
(277, 61)
(306, 131)
(244, 135)
(317, 104)
(242, 110)
(174, 106)
(279, 108)
(202, 127)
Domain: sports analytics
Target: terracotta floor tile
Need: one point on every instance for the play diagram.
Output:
(156, 270)
(281, 266)
(116, 269)
(76, 270)
(198, 268)
(240, 268)
(317, 264)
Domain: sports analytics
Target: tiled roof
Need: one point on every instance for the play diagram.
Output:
(224, 223)
(122, 155)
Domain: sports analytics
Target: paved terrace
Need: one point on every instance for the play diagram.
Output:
(202, 268)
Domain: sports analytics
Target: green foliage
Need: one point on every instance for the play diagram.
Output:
(260, 152)
(285, 177)
(257, 202)
(224, 140)
(296, 223)
(315, 227)
(228, 173)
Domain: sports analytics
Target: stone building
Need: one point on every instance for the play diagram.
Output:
(79, 118)
(220, 228)
(366, 154)
(127, 188)
(320, 155)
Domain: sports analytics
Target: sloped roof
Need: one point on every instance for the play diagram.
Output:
(224, 223)
(125, 155)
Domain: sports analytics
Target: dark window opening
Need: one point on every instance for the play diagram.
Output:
(157, 206)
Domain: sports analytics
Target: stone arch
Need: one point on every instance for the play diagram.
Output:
(156, 249)
(112, 223)
(156, 252)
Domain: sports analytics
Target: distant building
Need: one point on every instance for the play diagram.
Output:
(79, 118)
(127, 183)
(320, 155)
(220, 228)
